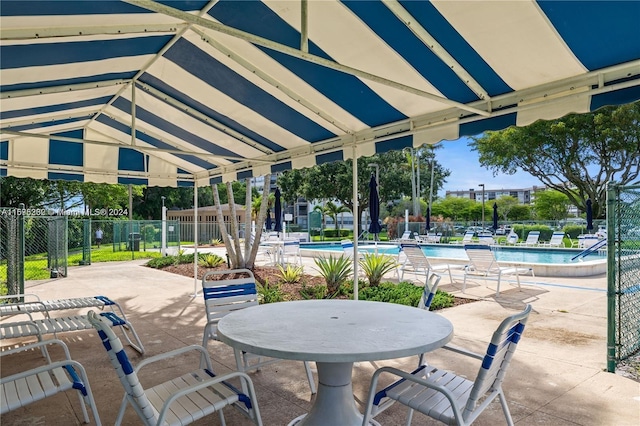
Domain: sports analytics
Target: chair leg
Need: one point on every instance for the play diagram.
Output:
(409, 417)
(123, 407)
(505, 408)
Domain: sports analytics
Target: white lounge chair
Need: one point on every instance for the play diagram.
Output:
(468, 236)
(557, 240)
(180, 401)
(31, 327)
(26, 387)
(512, 239)
(446, 396)
(236, 291)
(483, 263)
(412, 259)
(532, 239)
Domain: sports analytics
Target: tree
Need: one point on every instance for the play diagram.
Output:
(30, 192)
(457, 208)
(575, 155)
(551, 205)
(333, 210)
(335, 180)
(506, 203)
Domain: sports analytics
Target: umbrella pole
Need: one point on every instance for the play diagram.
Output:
(356, 225)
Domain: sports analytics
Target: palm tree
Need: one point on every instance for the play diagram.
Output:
(333, 210)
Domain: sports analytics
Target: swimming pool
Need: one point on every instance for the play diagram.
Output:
(503, 254)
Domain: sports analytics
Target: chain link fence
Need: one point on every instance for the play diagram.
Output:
(31, 248)
(623, 232)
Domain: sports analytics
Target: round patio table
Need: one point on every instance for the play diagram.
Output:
(334, 334)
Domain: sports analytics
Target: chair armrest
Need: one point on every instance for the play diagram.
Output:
(410, 377)
(42, 345)
(202, 385)
(204, 356)
(463, 351)
(42, 369)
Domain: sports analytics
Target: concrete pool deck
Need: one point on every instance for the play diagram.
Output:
(582, 268)
(557, 376)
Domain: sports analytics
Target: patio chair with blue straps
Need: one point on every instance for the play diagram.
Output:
(184, 399)
(532, 239)
(29, 386)
(446, 396)
(236, 289)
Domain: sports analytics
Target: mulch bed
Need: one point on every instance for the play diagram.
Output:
(272, 275)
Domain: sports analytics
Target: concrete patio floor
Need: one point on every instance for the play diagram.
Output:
(557, 377)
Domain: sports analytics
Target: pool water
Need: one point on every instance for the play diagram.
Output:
(505, 254)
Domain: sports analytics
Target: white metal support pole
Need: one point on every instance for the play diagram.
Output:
(163, 235)
(356, 221)
(195, 237)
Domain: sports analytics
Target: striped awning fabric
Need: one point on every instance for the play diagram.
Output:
(167, 93)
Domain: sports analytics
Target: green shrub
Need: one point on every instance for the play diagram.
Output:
(334, 270)
(269, 293)
(210, 260)
(523, 231)
(375, 266)
(313, 292)
(404, 293)
(573, 230)
(291, 274)
(183, 258)
(161, 262)
(333, 233)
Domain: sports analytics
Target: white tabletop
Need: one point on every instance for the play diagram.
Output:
(335, 330)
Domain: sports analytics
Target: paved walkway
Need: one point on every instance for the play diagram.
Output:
(557, 376)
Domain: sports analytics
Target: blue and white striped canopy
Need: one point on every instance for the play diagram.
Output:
(172, 92)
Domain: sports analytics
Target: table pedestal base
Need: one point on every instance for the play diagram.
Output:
(334, 404)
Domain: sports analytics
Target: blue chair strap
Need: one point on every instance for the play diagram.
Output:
(77, 383)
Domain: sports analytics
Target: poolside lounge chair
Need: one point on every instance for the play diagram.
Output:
(557, 240)
(468, 236)
(486, 239)
(446, 396)
(406, 235)
(532, 239)
(182, 400)
(483, 263)
(26, 387)
(230, 294)
(412, 259)
(52, 325)
(512, 239)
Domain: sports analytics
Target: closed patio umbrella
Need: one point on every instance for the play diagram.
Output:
(495, 217)
(589, 215)
(374, 207)
(268, 221)
(278, 212)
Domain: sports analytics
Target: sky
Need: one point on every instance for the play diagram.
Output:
(467, 173)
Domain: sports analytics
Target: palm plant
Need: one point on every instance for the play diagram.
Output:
(290, 274)
(375, 266)
(334, 270)
(210, 260)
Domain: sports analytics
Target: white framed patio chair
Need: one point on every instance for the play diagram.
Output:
(445, 396)
(236, 290)
(466, 239)
(532, 239)
(29, 386)
(412, 259)
(291, 252)
(182, 400)
(557, 240)
(483, 263)
(486, 239)
(512, 239)
(428, 294)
